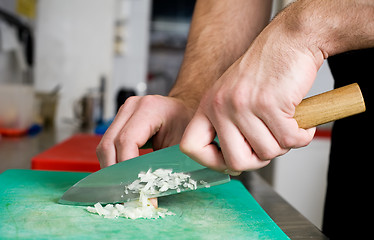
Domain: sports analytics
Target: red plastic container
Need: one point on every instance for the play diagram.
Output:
(77, 154)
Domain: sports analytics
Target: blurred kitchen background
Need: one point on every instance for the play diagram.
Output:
(74, 62)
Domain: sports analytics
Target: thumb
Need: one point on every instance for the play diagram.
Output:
(198, 143)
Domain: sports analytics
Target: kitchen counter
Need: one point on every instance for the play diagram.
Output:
(17, 153)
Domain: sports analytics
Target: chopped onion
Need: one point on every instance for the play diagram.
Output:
(149, 183)
(133, 210)
(161, 180)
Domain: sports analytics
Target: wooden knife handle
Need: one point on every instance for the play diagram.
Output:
(330, 106)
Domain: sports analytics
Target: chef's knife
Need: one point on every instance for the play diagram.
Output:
(108, 184)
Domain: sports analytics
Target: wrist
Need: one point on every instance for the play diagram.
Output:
(297, 30)
(327, 28)
(188, 100)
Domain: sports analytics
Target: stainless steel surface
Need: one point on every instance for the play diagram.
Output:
(17, 152)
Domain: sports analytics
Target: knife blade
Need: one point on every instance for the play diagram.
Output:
(108, 184)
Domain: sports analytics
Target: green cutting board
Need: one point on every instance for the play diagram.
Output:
(29, 210)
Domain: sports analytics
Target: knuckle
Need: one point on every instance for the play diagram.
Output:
(148, 100)
(103, 146)
(249, 163)
(99, 150)
(264, 101)
(120, 140)
(287, 141)
(239, 165)
(293, 139)
(268, 154)
(218, 101)
(240, 100)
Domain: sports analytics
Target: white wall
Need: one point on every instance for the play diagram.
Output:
(74, 48)
(130, 67)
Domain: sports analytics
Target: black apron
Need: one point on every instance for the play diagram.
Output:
(349, 203)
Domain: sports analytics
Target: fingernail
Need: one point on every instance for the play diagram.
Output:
(232, 173)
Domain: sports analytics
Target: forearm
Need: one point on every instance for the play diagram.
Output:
(327, 27)
(221, 31)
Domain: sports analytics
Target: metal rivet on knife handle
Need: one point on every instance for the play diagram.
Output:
(330, 106)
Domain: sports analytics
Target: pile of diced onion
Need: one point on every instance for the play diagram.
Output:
(135, 209)
(149, 183)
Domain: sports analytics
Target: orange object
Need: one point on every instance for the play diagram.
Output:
(78, 153)
(12, 132)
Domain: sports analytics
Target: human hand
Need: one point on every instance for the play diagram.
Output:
(251, 107)
(140, 118)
